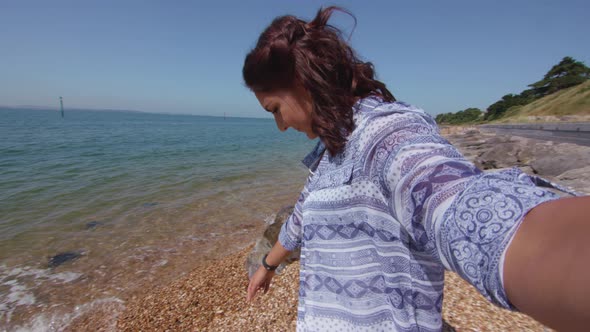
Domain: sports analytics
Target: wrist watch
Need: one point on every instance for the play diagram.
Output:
(266, 266)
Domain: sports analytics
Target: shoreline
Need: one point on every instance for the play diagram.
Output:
(151, 246)
(98, 308)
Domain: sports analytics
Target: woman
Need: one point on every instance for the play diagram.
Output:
(389, 203)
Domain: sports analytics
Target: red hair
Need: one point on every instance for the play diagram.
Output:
(292, 52)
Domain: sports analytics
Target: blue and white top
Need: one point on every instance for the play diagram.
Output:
(380, 222)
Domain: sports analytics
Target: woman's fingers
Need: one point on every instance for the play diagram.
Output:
(266, 286)
(248, 295)
(252, 288)
(259, 281)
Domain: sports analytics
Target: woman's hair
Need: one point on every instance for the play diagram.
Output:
(292, 53)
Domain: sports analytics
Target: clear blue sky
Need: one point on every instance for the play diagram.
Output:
(186, 56)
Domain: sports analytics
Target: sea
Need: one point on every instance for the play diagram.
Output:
(99, 206)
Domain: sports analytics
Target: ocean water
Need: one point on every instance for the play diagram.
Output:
(137, 198)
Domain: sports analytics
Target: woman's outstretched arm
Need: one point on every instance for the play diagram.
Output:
(262, 277)
(547, 265)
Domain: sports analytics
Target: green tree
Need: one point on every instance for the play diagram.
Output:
(497, 109)
(567, 73)
(472, 114)
(465, 116)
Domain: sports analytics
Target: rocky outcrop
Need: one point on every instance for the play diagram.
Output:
(564, 163)
(565, 158)
(578, 178)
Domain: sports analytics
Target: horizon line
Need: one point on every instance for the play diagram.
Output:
(84, 109)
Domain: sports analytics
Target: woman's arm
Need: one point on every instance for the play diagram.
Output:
(289, 240)
(262, 277)
(547, 265)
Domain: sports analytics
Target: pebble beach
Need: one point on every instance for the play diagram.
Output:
(214, 299)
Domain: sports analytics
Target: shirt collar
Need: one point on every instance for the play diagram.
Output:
(367, 103)
(312, 159)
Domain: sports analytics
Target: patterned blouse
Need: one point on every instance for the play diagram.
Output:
(380, 222)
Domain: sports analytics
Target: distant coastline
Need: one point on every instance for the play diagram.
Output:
(56, 109)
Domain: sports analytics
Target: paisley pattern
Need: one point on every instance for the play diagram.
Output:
(481, 222)
(379, 223)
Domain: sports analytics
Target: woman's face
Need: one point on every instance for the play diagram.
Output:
(291, 108)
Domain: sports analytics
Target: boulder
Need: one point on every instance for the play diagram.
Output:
(577, 179)
(562, 158)
(498, 155)
(565, 163)
(267, 241)
(64, 257)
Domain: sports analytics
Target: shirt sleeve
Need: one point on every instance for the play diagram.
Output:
(461, 217)
(291, 231)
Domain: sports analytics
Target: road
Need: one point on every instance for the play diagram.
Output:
(577, 133)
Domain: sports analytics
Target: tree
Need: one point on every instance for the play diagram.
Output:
(465, 116)
(497, 109)
(567, 73)
(471, 114)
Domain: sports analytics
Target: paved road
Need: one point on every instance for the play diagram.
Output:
(577, 133)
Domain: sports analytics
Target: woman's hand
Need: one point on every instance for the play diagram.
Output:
(259, 281)
(262, 277)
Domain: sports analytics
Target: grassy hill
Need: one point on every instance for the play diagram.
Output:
(571, 104)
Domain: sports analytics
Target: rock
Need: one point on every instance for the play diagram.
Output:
(564, 163)
(502, 139)
(578, 179)
(530, 150)
(150, 204)
(93, 224)
(562, 158)
(543, 157)
(267, 241)
(500, 154)
(62, 258)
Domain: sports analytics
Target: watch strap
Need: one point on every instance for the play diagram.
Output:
(266, 266)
